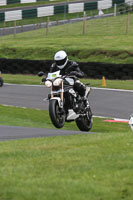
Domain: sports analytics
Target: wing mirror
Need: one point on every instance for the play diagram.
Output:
(40, 74)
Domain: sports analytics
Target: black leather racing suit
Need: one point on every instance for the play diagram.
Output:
(72, 68)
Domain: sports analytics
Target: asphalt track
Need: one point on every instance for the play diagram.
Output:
(13, 132)
(104, 102)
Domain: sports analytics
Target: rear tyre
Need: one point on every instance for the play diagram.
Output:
(85, 123)
(57, 118)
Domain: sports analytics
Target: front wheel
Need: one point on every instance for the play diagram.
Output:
(57, 117)
(84, 123)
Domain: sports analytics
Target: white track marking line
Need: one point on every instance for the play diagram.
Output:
(95, 88)
(12, 84)
(111, 118)
(111, 89)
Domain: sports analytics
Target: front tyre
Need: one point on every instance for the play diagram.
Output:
(56, 116)
(84, 123)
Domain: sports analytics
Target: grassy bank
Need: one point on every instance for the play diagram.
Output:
(35, 80)
(105, 41)
(91, 166)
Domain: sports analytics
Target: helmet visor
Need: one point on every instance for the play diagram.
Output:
(61, 62)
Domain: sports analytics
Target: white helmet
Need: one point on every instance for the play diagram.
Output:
(61, 59)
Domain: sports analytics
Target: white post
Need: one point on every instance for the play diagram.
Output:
(128, 23)
(47, 26)
(84, 23)
(4, 26)
(115, 8)
(15, 29)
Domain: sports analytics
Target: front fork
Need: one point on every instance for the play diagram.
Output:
(61, 95)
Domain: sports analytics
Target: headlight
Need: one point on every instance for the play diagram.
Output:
(57, 82)
(48, 83)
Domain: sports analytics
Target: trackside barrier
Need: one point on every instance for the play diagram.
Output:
(94, 70)
(7, 2)
(56, 9)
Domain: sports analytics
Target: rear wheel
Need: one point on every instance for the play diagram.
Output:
(84, 123)
(57, 117)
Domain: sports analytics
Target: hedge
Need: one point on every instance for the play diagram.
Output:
(91, 69)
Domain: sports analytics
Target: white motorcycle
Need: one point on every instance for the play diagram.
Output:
(66, 105)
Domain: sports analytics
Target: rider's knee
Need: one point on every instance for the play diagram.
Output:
(80, 88)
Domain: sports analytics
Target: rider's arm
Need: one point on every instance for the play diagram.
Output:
(75, 70)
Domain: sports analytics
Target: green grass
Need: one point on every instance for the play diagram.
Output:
(22, 79)
(95, 166)
(27, 117)
(115, 84)
(105, 41)
(35, 80)
(91, 166)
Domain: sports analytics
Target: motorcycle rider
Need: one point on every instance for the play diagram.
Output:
(65, 104)
(68, 67)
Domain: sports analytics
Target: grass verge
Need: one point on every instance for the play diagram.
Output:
(93, 166)
(35, 80)
(28, 117)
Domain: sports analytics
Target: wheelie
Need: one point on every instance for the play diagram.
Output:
(68, 98)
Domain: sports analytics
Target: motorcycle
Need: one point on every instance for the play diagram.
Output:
(65, 104)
